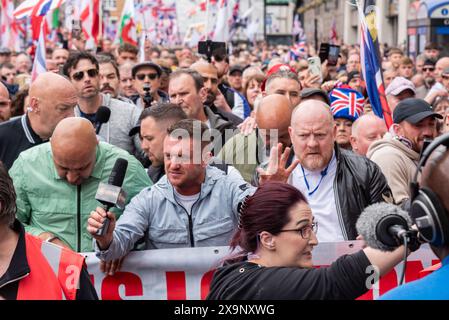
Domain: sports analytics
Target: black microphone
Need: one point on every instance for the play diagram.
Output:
(112, 194)
(147, 98)
(102, 116)
(384, 225)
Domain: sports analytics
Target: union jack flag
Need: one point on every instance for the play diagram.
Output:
(371, 64)
(40, 64)
(36, 8)
(298, 50)
(346, 103)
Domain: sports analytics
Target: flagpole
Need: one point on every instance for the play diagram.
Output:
(207, 20)
(100, 21)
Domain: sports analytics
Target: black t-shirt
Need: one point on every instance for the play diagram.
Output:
(16, 135)
(344, 279)
(92, 117)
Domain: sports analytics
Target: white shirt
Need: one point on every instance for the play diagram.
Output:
(322, 201)
(186, 201)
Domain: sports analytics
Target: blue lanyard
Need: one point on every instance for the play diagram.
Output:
(323, 174)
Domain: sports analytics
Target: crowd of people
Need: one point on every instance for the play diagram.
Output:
(238, 148)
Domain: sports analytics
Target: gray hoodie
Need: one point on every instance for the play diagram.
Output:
(397, 162)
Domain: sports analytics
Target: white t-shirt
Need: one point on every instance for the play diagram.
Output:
(186, 201)
(322, 201)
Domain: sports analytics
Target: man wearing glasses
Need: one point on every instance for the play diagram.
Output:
(83, 71)
(147, 81)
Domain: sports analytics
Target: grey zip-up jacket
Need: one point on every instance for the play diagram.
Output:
(124, 117)
(155, 214)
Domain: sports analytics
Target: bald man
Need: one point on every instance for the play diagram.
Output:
(56, 183)
(246, 152)
(435, 177)
(438, 88)
(337, 183)
(366, 130)
(213, 98)
(52, 98)
(5, 104)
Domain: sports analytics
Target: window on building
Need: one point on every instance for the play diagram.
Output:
(110, 5)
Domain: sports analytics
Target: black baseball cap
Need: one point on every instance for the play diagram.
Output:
(413, 111)
(308, 92)
(429, 62)
(236, 67)
(352, 75)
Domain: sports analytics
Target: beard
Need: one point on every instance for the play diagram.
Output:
(317, 160)
(210, 98)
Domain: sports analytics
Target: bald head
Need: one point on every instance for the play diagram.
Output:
(274, 111)
(52, 98)
(273, 118)
(51, 85)
(442, 64)
(5, 104)
(312, 133)
(202, 66)
(373, 129)
(312, 110)
(73, 146)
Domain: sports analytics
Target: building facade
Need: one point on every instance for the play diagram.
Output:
(319, 16)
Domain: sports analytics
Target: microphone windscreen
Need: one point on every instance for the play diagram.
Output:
(103, 115)
(369, 219)
(118, 172)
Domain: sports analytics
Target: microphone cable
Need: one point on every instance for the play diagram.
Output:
(404, 266)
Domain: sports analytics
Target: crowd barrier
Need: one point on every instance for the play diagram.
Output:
(185, 274)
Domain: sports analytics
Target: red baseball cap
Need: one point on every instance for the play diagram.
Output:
(277, 68)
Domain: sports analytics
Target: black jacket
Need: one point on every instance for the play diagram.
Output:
(358, 183)
(345, 279)
(16, 135)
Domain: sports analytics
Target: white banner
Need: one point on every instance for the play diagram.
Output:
(185, 274)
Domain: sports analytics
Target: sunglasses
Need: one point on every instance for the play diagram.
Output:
(428, 69)
(151, 76)
(78, 76)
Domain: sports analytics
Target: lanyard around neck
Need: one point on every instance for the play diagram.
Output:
(323, 174)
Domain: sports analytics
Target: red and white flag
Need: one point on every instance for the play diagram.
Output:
(9, 27)
(40, 64)
(90, 22)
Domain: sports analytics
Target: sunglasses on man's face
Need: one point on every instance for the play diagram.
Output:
(428, 69)
(78, 76)
(142, 76)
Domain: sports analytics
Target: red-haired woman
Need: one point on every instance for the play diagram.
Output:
(276, 236)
